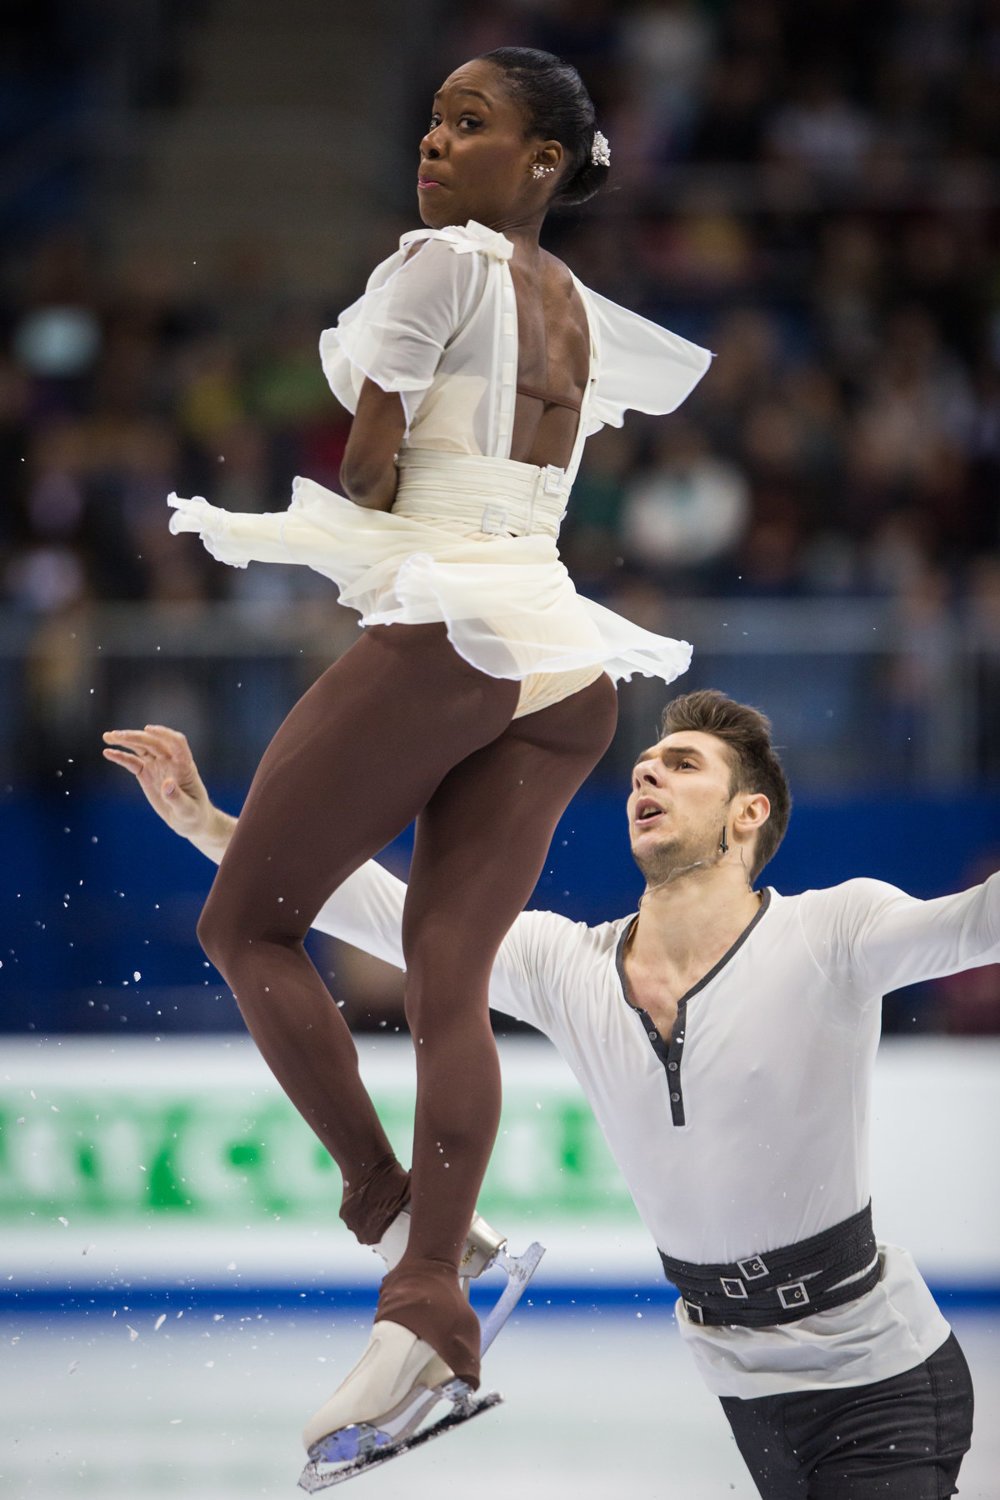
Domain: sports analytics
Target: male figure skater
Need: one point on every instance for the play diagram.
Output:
(725, 1037)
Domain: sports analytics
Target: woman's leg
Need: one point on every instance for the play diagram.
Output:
(480, 848)
(355, 761)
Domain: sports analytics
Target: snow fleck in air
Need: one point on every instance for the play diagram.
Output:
(64, 1222)
(231, 1266)
(133, 1333)
(73, 1367)
(136, 975)
(159, 1322)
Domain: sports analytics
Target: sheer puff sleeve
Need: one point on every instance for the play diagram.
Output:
(642, 367)
(414, 305)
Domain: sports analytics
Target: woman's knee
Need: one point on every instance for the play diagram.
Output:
(442, 989)
(227, 930)
(215, 933)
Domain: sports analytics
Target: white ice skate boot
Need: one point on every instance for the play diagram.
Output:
(482, 1246)
(399, 1380)
(388, 1389)
(378, 1401)
(375, 1414)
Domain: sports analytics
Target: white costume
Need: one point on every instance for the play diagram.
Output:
(471, 537)
(751, 1133)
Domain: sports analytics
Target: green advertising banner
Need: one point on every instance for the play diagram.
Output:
(159, 1153)
(180, 1162)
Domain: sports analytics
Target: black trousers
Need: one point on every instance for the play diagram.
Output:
(897, 1439)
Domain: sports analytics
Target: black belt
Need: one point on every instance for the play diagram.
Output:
(782, 1285)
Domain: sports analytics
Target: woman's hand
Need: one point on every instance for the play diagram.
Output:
(161, 761)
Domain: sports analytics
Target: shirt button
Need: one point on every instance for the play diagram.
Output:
(672, 1067)
(652, 1036)
(675, 1098)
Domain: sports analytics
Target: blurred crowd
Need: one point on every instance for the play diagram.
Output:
(810, 190)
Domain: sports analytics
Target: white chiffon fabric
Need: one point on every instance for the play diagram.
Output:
(471, 538)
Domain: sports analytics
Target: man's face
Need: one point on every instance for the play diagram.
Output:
(679, 803)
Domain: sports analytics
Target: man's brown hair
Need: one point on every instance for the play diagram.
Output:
(754, 765)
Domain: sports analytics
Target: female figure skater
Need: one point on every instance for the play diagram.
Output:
(480, 694)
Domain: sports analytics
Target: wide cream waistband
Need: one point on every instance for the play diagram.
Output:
(497, 496)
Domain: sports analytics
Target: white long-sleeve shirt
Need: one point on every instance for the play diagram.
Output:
(753, 1132)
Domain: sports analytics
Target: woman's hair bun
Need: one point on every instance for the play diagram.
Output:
(558, 108)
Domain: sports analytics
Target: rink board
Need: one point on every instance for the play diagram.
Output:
(179, 1165)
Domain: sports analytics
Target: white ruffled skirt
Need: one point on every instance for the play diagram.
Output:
(470, 541)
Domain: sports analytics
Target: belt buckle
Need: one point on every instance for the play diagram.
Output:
(694, 1312)
(793, 1294)
(752, 1268)
(733, 1286)
(552, 479)
(494, 520)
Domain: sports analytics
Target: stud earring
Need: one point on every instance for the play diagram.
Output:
(538, 171)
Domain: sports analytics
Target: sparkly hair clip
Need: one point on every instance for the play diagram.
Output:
(600, 151)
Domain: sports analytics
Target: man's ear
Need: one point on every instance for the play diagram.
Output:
(751, 813)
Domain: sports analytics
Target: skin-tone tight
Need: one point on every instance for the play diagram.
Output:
(400, 728)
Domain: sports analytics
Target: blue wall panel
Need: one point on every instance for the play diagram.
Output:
(94, 890)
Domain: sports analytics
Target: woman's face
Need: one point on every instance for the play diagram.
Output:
(475, 159)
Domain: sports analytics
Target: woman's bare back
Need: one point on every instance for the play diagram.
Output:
(553, 361)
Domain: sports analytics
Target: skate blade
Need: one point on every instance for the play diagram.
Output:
(519, 1269)
(373, 1447)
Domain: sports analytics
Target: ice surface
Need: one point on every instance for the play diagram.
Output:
(596, 1404)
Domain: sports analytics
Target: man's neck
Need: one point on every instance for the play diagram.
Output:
(687, 924)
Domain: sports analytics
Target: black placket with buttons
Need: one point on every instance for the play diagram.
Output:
(670, 1053)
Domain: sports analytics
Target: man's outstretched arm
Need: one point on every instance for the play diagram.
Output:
(366, 909)
(880, 938)
(160, 759)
